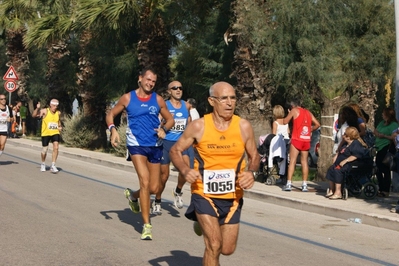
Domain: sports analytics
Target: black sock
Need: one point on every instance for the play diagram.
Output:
(178, 190)
(157, 200)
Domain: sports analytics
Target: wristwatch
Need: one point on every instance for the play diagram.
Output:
(255, 174)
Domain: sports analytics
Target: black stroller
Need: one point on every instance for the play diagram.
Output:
(273, 164)
(358, 181)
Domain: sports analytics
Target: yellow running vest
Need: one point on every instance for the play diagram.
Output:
(219, 157)
(50, 123)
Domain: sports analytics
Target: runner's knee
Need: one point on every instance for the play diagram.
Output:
(44, 150)
(228, 250)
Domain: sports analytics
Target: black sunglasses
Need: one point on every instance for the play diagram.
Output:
(176, 88)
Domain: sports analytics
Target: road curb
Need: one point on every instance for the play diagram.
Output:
(372, 219)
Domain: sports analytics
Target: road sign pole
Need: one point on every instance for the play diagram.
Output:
(9, 98)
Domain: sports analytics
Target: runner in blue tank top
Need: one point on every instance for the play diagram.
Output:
(144, 132)
(180, 111)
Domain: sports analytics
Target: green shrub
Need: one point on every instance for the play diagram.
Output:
(298, 174)
(120, 150)
(79, 131)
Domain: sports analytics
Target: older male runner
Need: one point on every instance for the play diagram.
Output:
(51, 128)
(220, 175)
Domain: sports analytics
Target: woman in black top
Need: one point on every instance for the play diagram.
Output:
(352, 149)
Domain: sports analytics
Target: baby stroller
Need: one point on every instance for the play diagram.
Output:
(273, 163)
(359, 180)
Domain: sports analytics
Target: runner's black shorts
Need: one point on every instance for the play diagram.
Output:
(228, 211)
(54, 138)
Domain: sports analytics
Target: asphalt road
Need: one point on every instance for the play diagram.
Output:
(80, 217)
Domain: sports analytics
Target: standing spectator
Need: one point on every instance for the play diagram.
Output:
(347, 118)
(15, 124)
(361, 120)
(23, 111)
(303, 124)
(278, 126)
(194, 116)
(144, 137)
(221, 140)
(6, 116)
(51, 127)
(9, 124)
(18, 117)
(193, 110)
(384, 138)
(395, 136)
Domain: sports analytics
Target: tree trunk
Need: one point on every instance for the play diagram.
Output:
(54, 76)
(253, 87)
(94, 105)
(153, 49)
(86, 72)
(363, 93)
(254, 99)
(18, 58)
(330, 108)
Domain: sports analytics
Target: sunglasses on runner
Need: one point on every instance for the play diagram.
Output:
(176, 88)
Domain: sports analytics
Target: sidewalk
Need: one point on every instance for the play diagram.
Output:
(374, 212)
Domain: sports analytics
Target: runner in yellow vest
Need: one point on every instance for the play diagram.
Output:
(51, 126)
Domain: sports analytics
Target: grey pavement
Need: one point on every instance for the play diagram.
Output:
(375, 212)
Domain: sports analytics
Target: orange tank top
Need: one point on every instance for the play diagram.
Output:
(219, 157)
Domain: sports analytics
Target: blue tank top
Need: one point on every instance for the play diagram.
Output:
(180, 116)
(142, 117)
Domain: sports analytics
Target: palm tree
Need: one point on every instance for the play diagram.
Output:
(254, 86)
(15, 17)
(52, 31)
(97, 20)
(153, 23)
(154, 45)
(152, 18)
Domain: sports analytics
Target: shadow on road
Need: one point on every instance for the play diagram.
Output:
(8, 162)
(126, 216)
(134, 219)
(177, 258)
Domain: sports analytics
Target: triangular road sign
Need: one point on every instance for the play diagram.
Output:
(10, 74)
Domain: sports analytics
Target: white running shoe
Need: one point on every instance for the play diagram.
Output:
(43, 167)
(287, 187)
(156, 208)
(178, 200)
(53, 169)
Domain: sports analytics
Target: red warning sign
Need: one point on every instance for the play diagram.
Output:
(10, 74)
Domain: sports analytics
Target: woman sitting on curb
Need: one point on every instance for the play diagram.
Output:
(352, 149)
